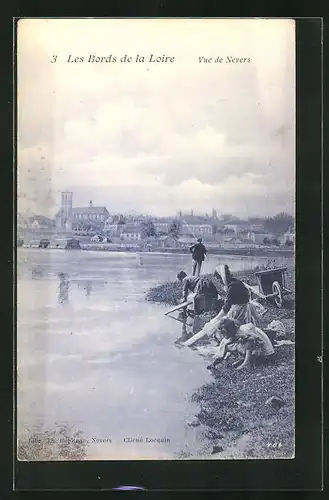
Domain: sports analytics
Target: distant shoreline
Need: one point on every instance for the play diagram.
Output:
(243, 252)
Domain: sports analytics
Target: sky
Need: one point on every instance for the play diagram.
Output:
(157, 137)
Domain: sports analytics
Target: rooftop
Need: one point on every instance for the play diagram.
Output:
(89, 210)
(130, 227)
(40, 218)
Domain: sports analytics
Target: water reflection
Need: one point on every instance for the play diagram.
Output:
(185, 333)
(63, 289)
(190, 325)
(88, 287)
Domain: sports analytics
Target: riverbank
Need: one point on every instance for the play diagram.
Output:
(242, 252)
(234, 418)
(247, 251)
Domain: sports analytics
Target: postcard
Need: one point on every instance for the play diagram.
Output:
(155, 239)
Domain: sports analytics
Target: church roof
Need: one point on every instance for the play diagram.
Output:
(89, 210)
(85, 210)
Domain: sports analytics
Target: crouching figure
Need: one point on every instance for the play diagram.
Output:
(205, 294)
(247, 342)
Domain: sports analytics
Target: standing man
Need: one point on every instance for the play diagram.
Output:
(198, 252)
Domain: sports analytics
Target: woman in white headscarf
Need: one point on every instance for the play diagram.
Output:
(237, 305)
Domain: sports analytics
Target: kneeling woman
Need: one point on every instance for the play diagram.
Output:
(237, 305)
(248, 342)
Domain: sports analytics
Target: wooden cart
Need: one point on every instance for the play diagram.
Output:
(271, 285)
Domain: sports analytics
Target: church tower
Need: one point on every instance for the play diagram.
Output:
(66, 206)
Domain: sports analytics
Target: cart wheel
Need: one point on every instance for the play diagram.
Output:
(278, 299)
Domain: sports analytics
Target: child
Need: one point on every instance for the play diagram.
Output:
(248, 341)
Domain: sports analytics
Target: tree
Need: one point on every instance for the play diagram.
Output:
(175, 228)
(148, 228)
(266, 241)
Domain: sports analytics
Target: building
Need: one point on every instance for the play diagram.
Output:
(197, 225)
(258, 237)
(287, 237)
(237, 227)
(97, 215)
(114, 228)
(39, 222)
(232, 227)
(199, 229)
(64, 215)
(66, 204)
(130, 231)
(161, 227)
(79, 218)
(111, 228)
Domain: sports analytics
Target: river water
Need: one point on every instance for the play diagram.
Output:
(91, 352)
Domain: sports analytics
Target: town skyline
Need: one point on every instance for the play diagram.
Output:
(188, 212)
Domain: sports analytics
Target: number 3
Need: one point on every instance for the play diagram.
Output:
(54, 59)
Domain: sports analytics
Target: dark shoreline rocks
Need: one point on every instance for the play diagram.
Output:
(168, 293)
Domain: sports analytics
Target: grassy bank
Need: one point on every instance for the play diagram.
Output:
(233, 417)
